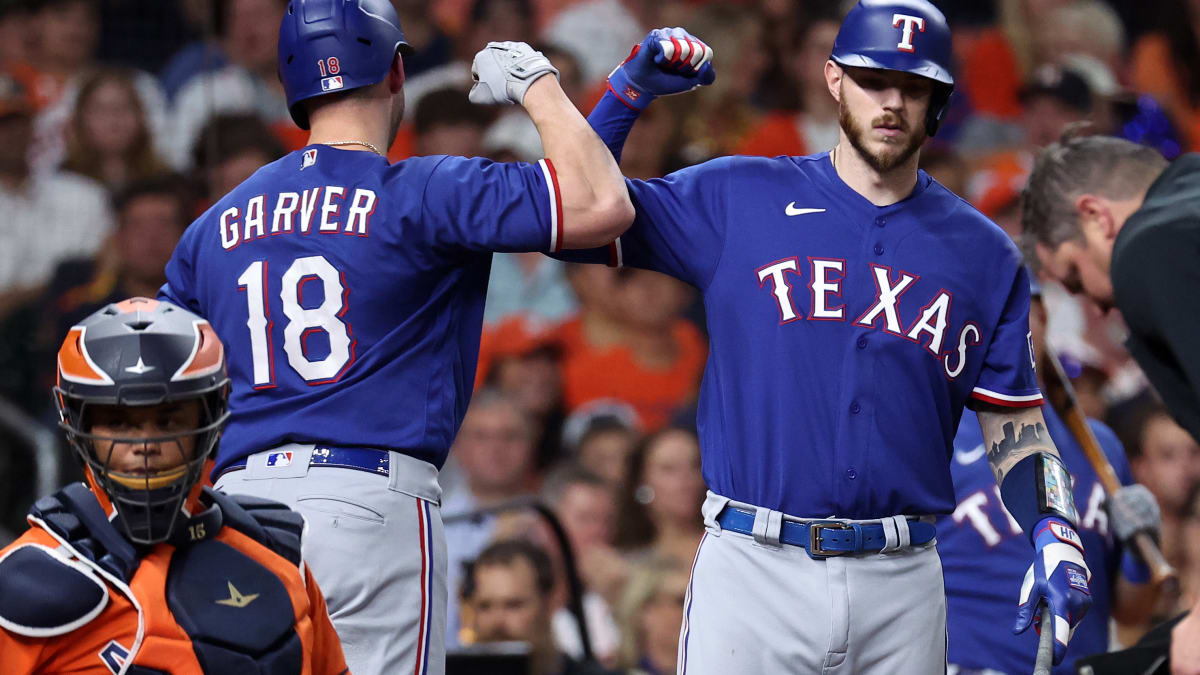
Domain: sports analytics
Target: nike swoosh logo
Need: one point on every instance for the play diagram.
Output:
(791, 210)
(969, 456)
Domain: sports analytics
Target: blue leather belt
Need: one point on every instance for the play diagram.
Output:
(370, 460)
(827, 538)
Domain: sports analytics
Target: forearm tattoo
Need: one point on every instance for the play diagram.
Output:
(1012, 436)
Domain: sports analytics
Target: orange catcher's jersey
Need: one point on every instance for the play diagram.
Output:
(228, 594)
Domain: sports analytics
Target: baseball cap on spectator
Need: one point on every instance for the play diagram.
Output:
(1067, 86)
(600, 413)
(514, 337)
(14, 99)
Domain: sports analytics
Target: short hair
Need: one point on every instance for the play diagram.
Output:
(506, 552)
(565, 477)
(168, 185)
(232, 135)
(1113, 167)
(447, 107)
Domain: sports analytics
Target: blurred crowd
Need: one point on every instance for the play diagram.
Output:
(121, 120)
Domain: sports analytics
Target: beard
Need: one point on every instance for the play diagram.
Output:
(898, 150)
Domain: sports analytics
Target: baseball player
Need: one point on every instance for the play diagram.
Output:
(984, 553)
(854, 307)
(350, 295)
(142, 569)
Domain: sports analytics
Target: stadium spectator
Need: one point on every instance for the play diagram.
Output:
(64, 38)
(47, 216)
(1189, 571)
(604, 442)
(16, 34)
(248, 84)
(151, 215)
(493, 456)
(714, 120)
(432, 47)
(650, 613)
(660, 504)
(200, 56)
(1053, 98)
(586, 504)
(108, 138)
(815, 126)
(1166, 64)
(1166, 459)
(507, 597)
(630, 343)
(522, 361)
(446, 123)
(231, 148)
(598, 33)
(491, 21)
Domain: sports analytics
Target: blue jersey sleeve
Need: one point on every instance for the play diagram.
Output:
(480, 205)
(1008, 377)
(180, 288)
(679, 228)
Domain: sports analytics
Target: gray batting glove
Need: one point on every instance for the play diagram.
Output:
(1134, 509)
(503, 71)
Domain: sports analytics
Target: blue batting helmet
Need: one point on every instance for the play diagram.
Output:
(331, 46)
(910, 36)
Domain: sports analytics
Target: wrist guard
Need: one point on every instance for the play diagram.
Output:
(1036, 487)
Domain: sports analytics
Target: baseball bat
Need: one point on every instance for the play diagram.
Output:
(1061, 395)
(1045, 652)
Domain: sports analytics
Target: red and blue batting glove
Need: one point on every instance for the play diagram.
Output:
(669, 61)
(1058, 578)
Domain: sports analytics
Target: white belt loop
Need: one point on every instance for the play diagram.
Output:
(767, 526)
(895, 533)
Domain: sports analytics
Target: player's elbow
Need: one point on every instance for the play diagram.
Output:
(603, 220)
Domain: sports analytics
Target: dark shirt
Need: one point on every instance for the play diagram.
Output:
(573, 667)
(1156, 285)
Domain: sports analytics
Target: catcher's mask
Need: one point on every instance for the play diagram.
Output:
(141, 394)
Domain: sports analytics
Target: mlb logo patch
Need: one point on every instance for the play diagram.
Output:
(331, 83)
(310, 158)
(277, 459)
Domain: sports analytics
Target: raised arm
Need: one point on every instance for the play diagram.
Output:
(595, 207)
(595, 202)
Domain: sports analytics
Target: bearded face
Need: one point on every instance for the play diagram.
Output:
(883, 114)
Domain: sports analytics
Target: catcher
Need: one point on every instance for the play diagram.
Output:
(143, 569)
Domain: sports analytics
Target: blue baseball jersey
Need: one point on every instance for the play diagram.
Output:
(349, 292)
(845, 337)
(985, 554)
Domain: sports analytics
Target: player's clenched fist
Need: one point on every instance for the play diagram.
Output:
(503, 71)
(1057, 578)
(669, 61)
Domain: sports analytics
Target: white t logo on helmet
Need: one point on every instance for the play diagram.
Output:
(906, 44)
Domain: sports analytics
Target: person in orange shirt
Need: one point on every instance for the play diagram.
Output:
(630, 343)
(144, 568)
